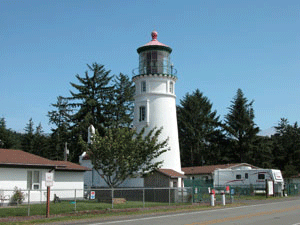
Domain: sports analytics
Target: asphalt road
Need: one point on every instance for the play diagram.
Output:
(272, 213)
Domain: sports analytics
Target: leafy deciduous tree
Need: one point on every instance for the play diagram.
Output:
(122, 153)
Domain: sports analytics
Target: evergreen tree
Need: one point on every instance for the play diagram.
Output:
(240, 128)
(286, 148)
(60, 135)
(261, 153)
(90, 104)
(6, 140)
(121, 107)
(28, 138)
(40, 143)
(199, 130)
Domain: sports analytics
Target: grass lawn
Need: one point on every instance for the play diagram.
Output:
(69, 207)
(66, 207)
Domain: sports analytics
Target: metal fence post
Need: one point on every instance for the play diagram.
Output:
(169, 195)
(143, 197)
(212, 199)
(75, 202)
(223, 198)
(112, 198)
(28, 209)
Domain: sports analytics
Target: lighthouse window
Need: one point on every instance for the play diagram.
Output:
(171, 87)
(143, 86)
(153, 62)
(142, 113)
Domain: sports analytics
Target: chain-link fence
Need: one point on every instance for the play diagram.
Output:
(201, 190)
(292, 189)
(33, 202)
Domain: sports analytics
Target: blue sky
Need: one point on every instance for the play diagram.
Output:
(218, 47)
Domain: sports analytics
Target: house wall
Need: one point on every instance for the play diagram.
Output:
(199, 176)
(157, 180)
(17, 177)
(65, 184)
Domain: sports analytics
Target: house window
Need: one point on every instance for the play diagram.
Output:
(171, 87)
(142, 113)
(261, 176)
(33, 180)
(143, 86)
(246, 175)
(238, 176)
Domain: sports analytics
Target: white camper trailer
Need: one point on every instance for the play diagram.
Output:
(245, 176)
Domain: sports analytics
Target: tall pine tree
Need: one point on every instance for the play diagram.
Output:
(240, 128)
(60, 117)
(121, 102)
(199, 130)
(6, 140)
(28, 138)
(286, 148)
(90, 103)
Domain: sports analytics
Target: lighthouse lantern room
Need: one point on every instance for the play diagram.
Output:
(155, 99)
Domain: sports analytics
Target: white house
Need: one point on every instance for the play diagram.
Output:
(27, 172)
(206, 173)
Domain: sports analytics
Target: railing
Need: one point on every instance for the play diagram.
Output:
(161, 70)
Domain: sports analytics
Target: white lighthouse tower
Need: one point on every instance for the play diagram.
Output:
(155, 104)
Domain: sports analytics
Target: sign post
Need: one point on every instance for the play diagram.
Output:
(49, 183)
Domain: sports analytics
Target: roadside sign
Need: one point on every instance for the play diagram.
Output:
(92, 196)
(270, 187)
(49, 179)
(213, 192)
(232, 191)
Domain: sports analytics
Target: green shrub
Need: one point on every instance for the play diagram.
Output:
(18, 196)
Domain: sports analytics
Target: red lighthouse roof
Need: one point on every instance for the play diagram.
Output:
(154, 44)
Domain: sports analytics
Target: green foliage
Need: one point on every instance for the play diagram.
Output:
(6, 140)
(199, 130)
(98, 100)
(121, 102)
(89, 104)
(18, 196)
(28, 138)
(61, 134)
(240, 127)
(286, 148)
(123, 153)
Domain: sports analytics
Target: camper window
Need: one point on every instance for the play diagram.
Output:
(246, 175)
(238, 176)
(261, 176)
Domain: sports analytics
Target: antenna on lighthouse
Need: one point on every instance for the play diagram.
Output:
(66, 152)
(91, 132)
